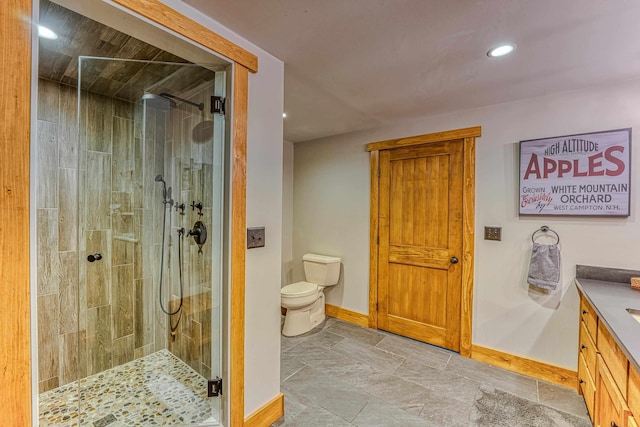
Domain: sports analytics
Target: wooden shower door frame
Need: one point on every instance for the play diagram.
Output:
(15, 134)
(468, 136)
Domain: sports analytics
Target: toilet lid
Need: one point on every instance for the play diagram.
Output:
(300, 289)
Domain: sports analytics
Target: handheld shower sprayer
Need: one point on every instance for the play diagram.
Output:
(166, 201)
(166, 310)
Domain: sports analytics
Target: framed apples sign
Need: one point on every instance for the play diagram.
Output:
(585, 174)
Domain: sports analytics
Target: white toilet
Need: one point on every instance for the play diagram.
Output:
(304, 301)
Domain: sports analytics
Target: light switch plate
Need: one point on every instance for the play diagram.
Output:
(255, 237)
(492, 233)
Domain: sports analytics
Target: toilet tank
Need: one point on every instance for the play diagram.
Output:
(321, 269)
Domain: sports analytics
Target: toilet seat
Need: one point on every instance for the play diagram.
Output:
(299, 289)
(299, 295)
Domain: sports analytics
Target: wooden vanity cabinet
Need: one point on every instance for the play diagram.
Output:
(609, 384)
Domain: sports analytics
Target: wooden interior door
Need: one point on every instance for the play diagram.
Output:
(420, 246)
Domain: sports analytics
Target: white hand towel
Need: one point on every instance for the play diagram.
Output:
(544, 268)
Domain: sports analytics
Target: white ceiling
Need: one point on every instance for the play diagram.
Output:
(358, 64)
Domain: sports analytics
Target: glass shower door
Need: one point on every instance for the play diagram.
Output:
(150, 191)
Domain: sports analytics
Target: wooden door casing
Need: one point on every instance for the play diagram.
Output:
(421, 227)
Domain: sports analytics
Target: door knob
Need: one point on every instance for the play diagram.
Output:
(94, 257)
(454, 260)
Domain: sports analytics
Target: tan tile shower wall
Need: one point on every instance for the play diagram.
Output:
(93, 316)
(192, 342)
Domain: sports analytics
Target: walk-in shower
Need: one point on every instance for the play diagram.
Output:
(133, 336)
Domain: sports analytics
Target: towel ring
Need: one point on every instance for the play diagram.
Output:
(544, 229)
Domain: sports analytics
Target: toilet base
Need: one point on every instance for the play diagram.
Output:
(302, 320)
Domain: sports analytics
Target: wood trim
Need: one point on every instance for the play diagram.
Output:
(347, 315)
(244, 61)
(533, 368)
(267, 414)
(472, 132)
(15, 104)
(374, 207)
(15, 123)
(468, 246)
(174, 21)
(238, 242)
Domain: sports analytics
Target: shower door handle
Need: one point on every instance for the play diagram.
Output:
(94, 257)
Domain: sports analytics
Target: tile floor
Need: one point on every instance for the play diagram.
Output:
(340, 374)
(158, 389)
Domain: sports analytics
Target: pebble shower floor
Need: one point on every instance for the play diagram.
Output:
(158, 389)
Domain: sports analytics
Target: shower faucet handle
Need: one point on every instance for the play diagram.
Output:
(198, 206)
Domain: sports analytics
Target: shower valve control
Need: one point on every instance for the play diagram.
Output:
(198, 206)
(94, 257)
(199, 234)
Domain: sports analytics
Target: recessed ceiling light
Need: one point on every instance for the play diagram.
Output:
(46, 33)
(502, 50)
(284, 115)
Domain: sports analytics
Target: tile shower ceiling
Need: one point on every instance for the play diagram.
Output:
(125, 80)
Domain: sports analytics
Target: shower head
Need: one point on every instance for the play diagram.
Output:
(159, 178)
(159, 102)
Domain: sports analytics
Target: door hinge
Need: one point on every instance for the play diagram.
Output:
(376, 306)
(214, 387)
(378, 240)
(378, 172)
(217, 105)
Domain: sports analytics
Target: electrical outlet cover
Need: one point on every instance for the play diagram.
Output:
(255, 237)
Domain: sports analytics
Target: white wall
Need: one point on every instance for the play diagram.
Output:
(331, 215)
(264, 208)
(287, 213)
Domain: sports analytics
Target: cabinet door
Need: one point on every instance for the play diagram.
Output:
(614, 358)
(632, 422)
(589, 317)
(611, 409)
(586, 384)
(633, 395)
(588, 349)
